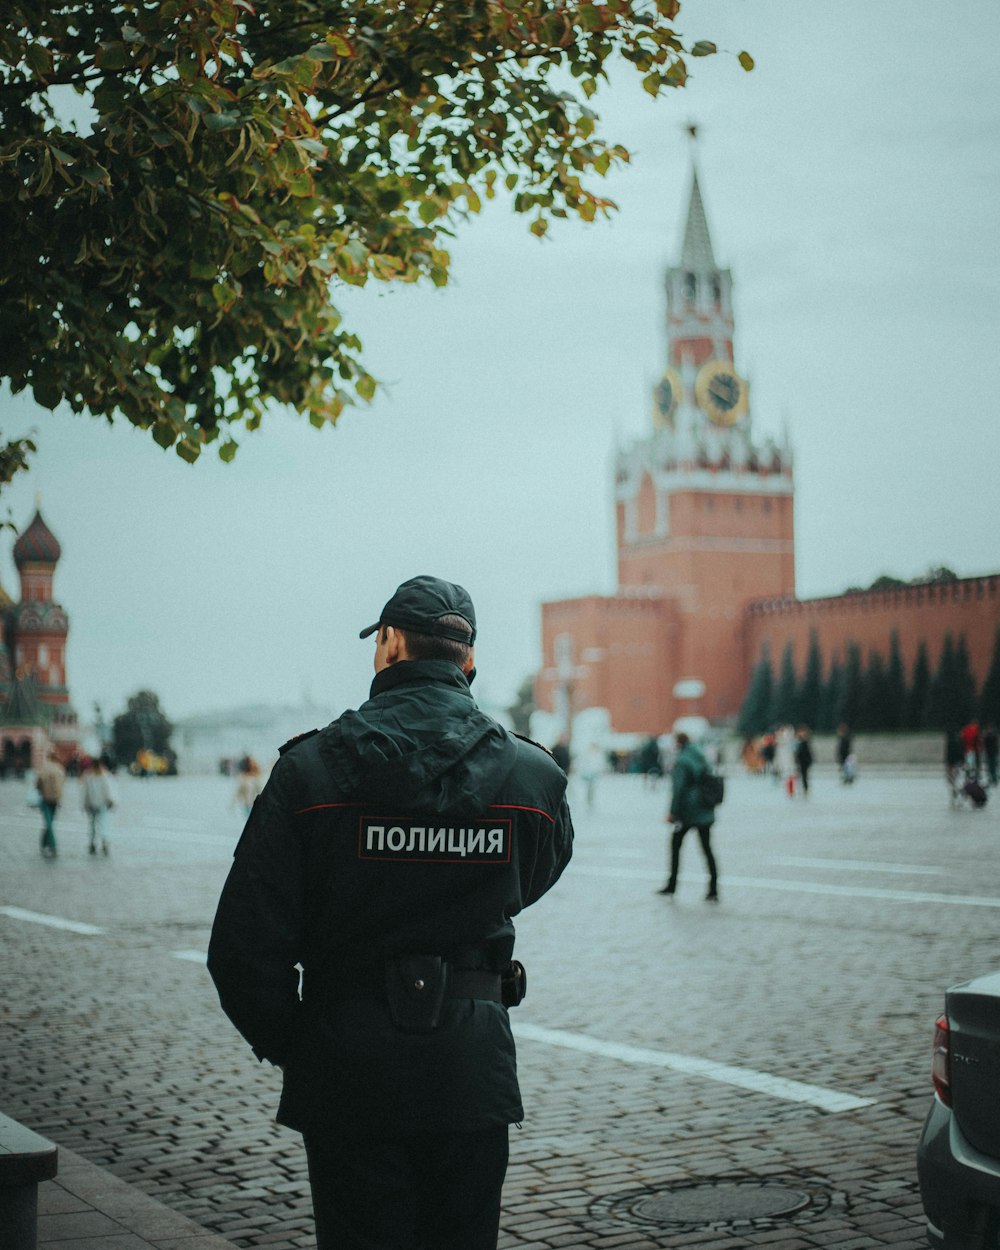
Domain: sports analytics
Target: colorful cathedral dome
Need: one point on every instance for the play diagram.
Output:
(37, 545)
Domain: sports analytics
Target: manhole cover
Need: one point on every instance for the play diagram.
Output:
(709, 1204)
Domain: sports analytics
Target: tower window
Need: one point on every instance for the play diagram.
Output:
(716, 291)
(690, 287)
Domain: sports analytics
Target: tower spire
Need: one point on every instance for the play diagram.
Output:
(696, 251)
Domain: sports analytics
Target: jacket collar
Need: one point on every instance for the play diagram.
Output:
(438, 672)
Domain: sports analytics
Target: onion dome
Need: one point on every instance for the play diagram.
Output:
(37, 545)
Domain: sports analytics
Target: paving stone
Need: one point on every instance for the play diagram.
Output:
(118, 1051)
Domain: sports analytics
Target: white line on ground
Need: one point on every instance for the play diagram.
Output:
(800, 887)
(742, 1078)
(195, 957)
(54, 922)
(861, 865)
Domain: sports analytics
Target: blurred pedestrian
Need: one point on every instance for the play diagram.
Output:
(247, 784)
(803, 756)
(972, 747)
(99, 798)
(649, 762)
(592, 763)
(688, 810)
(768, 746)
(784, 758)
(954, 761)
(561, 755)
(49, 784)
(845, 754)
(991, 753)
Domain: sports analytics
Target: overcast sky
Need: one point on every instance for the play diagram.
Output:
(852, 184)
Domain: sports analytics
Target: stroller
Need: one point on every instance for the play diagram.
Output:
(968, 791)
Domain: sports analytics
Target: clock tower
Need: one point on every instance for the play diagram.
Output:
(704, 525)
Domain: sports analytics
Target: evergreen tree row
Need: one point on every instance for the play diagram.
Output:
(873, 692)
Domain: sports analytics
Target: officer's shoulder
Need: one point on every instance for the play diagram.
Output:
(541, 753)
(294, 742)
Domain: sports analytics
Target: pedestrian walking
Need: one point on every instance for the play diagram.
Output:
(49, 783)
(846, 761)
(784, 758)
(386, 857)
(99, 797)
(972, 746)
(803, 757)
(689, 810)
(592, 766)
(247, 785)
(991, 752)
(954, 761)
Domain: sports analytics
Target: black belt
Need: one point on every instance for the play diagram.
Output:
(461, 983)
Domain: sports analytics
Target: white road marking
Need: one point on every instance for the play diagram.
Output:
(742, 1078)
(799, 887)
(53, 922)
(861, 865)
(195, 957)
(862, 891)
(177, 824)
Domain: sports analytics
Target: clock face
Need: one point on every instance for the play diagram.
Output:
(666, 397)
(721, 392)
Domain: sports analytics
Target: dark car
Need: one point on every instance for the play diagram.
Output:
(958, 1159)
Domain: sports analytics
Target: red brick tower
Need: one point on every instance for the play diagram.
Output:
(704, 525)
(704, 513)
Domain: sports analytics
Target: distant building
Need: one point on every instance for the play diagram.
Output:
(706, 547)
(35, 707)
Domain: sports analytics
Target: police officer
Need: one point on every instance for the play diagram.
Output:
(387, 856)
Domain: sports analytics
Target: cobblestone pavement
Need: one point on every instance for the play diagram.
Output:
(818, 976)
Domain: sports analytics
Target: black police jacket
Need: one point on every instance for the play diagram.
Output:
(414, 825)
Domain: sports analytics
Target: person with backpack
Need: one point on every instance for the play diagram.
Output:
(696, 792)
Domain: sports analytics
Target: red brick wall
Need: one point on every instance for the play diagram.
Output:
(969, 606)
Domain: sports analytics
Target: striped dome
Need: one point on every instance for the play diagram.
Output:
(37, 545)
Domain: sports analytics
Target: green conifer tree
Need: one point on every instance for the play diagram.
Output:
(757, 702)
(849, 695)
(919, 690)
(872, 696)
(894, 710)
(784, 703)
(989, 697)
(965, 684)
(810, 694)
(940, 704)
(826, 720)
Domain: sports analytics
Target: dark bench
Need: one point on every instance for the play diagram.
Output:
(25, 1159)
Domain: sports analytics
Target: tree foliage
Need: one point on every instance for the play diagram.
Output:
(756, 709)
(173, 264)
(989, 699)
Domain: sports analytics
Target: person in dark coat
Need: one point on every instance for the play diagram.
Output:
(803, 756)
(387, 856)
(688, 810)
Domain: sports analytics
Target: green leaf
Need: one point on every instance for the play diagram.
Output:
(428, 212)
(704, 47)
(341, 46)
(164, 433)
(188, 450)
(227, 451)
(47, 393)
(222, 121)
(747, 61)
(365, 386)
